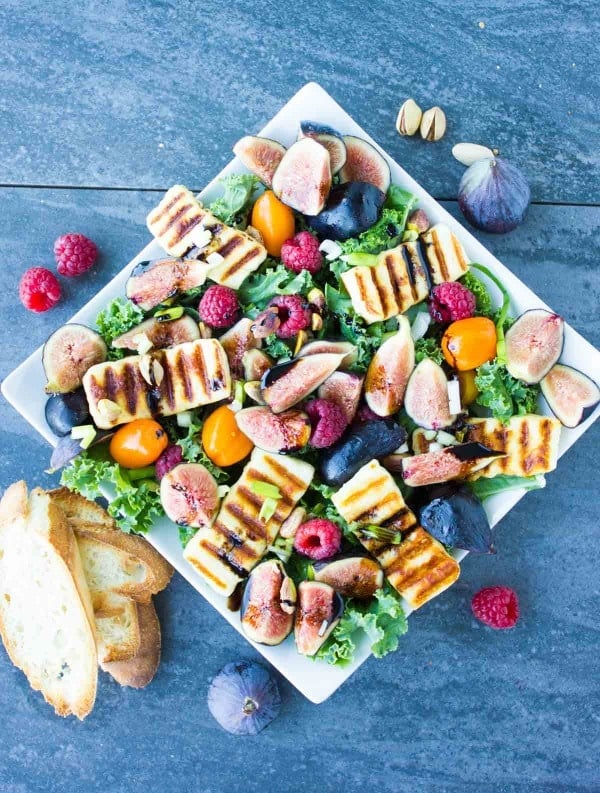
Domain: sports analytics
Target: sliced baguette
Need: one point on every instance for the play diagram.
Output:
(117, 627)
(46, 619)
(139, 670)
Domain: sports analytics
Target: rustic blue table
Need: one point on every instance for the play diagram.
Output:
(104, 105)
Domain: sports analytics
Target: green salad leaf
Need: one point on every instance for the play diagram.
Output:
(428, 347)
(276, 347)
(484, 306)
(118, 317)
(191, 447)
(484, 488)
(185, 534)
(274, 279)
(383, 621)
(503, 394)
(233, 206)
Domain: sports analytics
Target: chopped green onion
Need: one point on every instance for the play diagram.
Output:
(266, 489)
(185, 418)
(222, 490)
(382, 533)
(165, 314)
(84, 433)
(356, 259)
(239, 394)
(268, 509)
(141, 473)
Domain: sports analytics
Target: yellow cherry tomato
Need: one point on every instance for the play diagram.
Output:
(274, 220)
(138, 444)
(223, 441)
(468, 343)
(468, 390)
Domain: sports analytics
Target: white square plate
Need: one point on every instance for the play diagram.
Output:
(24, 388)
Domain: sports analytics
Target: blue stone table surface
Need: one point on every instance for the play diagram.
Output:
(137, 95)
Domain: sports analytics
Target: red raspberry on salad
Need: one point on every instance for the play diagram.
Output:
(74, 254)
(219, 307)
(302, 252)
(328, 422)
(294, 315)
(318, 539)
(171, 457)
(450, 302)
(496, 606)
(39, 289)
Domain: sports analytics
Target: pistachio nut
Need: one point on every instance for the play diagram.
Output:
(409, 118)
(433, 124)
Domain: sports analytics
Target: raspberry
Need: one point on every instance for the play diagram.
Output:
(302, 253)
(171, 457)
(75, 254)
(318, 539)
(219, 307)
(39, 289)
(451, 301)
(294, 315)
(496, 606)
(328, 422)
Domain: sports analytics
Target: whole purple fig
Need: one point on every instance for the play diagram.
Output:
(494, 195)
(244, 698)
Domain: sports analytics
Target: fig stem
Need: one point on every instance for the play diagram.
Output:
(249, 706)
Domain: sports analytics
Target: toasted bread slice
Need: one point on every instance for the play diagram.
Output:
(46, 618)
(89, 519)
(117, 626)
(138, 671)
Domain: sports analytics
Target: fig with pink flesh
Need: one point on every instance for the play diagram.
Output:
(349, 350)
(534, 344)
(160, 333)
(344, 389)
(275, 432)
(453, 462)
(364, 164)
(352, 576)
(288, 383)
(151, 283)
(189, 495)
(260, 155)
(319, 610)
(571, 395)
(255, 362)
(327, 137)
(236, 342)
(389, 371)
(67, 355)
(268, 604)
(426, 396)
(303, 178)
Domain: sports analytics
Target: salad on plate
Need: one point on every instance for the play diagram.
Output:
(320, 391)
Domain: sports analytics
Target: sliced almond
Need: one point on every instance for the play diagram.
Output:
(108, 409)
(145, 364)
(254, 233)
(142, 343)
(316, 321)
(205, 331)
(468, 153)
(157, 372)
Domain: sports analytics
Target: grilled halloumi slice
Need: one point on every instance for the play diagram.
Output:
(226, 552)
(419, 568)
(370, 496)
(159, 384)
(529, 443)
(403, 276)
(178, 220)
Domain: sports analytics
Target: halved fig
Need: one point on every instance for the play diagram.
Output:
(67, 355)
(364, 164)
(151, 283)
(268, 604)
(290, 525)
(253, 390)
(189, 495)
(349, 350)
(303, 178)
(352, 576)
(351, 208)
(280, 433)
(260, 155)
(570, 394)
(327, 137)
(534, 344)
(360, 443)
(319, 610)
(160, 333)
(287, 383)
(426, 397)
(389, 371)
(266, 322)
(255, 363)
(236, 342)
(455, 516)
(343, 388)
(453, 462)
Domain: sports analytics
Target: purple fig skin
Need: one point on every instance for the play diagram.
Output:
(244, 698)
(494, 195)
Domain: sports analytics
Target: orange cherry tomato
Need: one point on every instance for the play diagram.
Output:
(138, 444)
(274, 220)
(468, 343)
(223, 441)
(468, 390)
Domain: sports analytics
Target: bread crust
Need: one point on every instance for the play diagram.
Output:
(139, 670)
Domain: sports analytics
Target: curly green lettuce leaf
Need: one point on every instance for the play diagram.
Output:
(484, 488)
(386, 233)
(382, 621)
(484, 306)
(428, 348)
(118, 317)
(276, 279)
(185, 534)
(503, 394)
(276, 348)
(233, 206)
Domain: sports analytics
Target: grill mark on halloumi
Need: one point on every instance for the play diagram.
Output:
(370, 496)
(229, 246)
